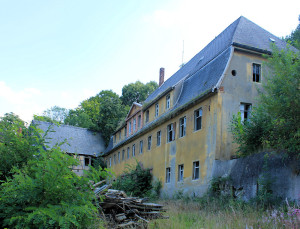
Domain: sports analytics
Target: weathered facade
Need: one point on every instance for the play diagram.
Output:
(80, 142)
(184, 123)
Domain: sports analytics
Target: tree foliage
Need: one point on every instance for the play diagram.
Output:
(102, 113)
(275, 122)
(294, 38)
(55, 114)
(137, 92)
(38, 188)
(17, 146)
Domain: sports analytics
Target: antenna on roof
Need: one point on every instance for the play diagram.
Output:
(182, 54)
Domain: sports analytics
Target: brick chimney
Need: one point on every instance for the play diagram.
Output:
(161, 76)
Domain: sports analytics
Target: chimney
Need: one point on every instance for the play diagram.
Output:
(161, 76)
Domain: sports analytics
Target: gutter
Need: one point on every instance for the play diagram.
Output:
(252, 48)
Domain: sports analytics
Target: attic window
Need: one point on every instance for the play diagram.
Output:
(201, 58)
(272, 40)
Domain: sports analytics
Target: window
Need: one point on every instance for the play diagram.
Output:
(139, 121)
(156, 109)
(256, 69)
(167, 102)
(158, 137)
(134, 124)
(170, 132)
(125, 134)
(119, 157)
(86, 161)
(129, 128)
(123, 155)
(141, 147)
(133, 150)
(128, 151)
(110, 162)
(149, 142)
(180, 172)
(147, 116)
(182, 127)
(197, 119)
(168, 175)
(196, 170)
(115, 159)
(245, 109)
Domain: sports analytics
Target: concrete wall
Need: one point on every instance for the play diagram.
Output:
(245, 173)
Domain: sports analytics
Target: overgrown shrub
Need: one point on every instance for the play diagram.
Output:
(135, 181)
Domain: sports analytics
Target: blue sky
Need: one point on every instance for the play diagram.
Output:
(61, 52)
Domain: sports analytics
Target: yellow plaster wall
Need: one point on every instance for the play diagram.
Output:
(195, 146)
(236, 90)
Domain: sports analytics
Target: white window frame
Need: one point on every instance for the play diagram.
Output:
(129, 127)
(156, 109)
(158, 138)
(141, 147)
(119, 157)
(256, 73)
(149, 142)
(109, 162)
(168, 175)
(182, 127)
(245, 110)
(134, 124)
(180, 172)
(133, 150)
(196, 118)
(168, 101)
(196, 170)
(139, 121)
(170, 132)
(128, 152)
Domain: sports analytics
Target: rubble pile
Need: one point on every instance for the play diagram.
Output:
(121, 211)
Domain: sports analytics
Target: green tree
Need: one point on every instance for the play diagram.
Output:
(17, 146)
(102, 113)
(294, 38)
(47, 194)
(137, 92)
(54, 114)
(275, 122)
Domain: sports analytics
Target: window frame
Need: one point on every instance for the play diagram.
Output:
(182, 127)
(244, 111)
(128, 152)
(133, 150)
(158, 138)
(180, 172)
(149, 141)
(134, 125)
(168, 175)
(256, 72)
(196, 176)
(196, 119)
(141, 146)
(170, 130)
(85, 160)
(147, 116)
(156, 109)
(168, 101)
(123, 154)
(139, 121)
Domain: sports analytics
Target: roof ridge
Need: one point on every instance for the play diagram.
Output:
(66, 125)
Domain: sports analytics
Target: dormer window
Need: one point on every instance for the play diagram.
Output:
(134, 124)
(256, 69)
(156, 109)
(168, 101)
(147, 116)
(129, 128)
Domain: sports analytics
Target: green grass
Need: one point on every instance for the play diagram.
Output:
(210, 213)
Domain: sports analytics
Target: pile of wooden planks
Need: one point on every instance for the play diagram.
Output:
(121, 211)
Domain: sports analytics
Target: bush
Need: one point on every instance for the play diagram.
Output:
(135, 181)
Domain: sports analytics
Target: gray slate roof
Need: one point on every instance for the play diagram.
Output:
(80, 140)
(202, 73)
(242, 32)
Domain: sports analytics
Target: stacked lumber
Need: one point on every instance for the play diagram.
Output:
(121, 211)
